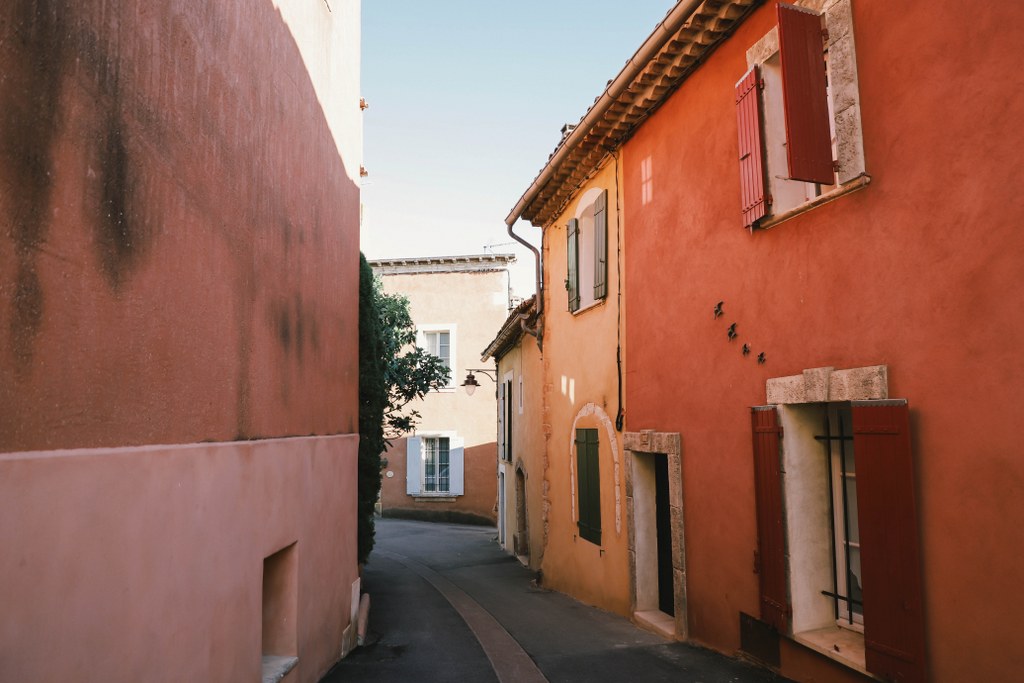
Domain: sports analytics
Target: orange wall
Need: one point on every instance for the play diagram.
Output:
(920, 271)
(178, 230)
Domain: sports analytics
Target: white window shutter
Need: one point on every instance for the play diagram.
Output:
(413, 465)
(456, 461)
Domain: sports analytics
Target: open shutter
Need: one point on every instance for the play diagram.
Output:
(457, 465)
(771, 540)
(572, 266)
(601, 246)
(413, 465)
(753, 201)
(890, 547)
(805, 95)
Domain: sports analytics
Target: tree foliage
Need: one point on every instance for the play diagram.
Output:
(393, 372)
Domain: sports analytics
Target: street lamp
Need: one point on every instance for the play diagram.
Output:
(470, 382)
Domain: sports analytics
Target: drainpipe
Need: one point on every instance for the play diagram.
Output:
(536, 332)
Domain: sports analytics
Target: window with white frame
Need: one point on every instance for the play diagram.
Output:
(439, 341)
(798, 113)
(586, 280)
(435, 465)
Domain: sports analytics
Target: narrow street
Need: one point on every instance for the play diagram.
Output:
(448, 605)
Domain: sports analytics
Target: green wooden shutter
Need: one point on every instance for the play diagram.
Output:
(601, 246)
(572, 266)
(588, 485)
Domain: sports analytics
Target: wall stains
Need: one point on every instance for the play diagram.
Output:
(28, 125)
(117, 242)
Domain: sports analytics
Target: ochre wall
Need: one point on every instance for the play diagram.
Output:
(919, 271)
(579, 372)
(528, 446)
(178, 231)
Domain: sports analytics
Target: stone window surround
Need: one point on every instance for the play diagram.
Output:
(819, 386)
(845, 101)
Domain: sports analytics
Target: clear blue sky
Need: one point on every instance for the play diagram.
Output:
(467, 99)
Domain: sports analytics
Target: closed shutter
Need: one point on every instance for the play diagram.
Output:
(457, 465)
(572, 266)
(588, 488)
(890, 547)
(771, 540)
(601, 246)
(413, 465)
(508, 420)
(805, 95)
(753, 201)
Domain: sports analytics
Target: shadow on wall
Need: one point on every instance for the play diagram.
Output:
(176, 224)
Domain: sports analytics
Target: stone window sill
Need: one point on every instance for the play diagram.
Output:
(434, 498)
(857, 183)
(840, 644)
(275, 668)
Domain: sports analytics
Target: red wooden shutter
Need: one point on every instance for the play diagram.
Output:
(748, 118)
(771, 540)
(601, 245)
(890, 548)
(572, 266)
(805, 95)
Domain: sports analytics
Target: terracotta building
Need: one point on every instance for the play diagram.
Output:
(444, 471)
(819, 257)
(179, 212)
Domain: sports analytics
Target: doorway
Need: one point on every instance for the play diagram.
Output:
(655, 517)
(663, 526)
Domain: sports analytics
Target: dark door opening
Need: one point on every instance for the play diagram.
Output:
(666, 594)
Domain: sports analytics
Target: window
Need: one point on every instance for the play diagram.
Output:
(798, 113)
(439, 340)
(838, 549)
(588, 485)
(436, 471)
(435, 465)
(505, 402)
(846, 592)
(586, 279)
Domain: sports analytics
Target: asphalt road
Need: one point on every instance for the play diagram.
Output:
(447, 604)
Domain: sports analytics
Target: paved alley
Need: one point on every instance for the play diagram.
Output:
(448, 605)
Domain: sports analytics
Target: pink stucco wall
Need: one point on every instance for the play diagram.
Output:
(179, 256)
(145, 564)
(178, 228)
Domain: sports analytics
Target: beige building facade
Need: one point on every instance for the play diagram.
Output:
(445, 469)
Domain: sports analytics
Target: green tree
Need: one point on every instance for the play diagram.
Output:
(393, 372)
